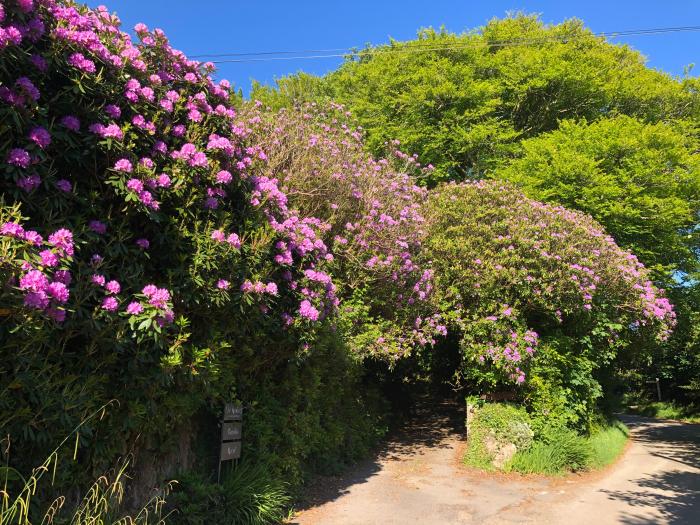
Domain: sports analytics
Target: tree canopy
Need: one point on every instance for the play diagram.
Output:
(642, 181)
(463, 102)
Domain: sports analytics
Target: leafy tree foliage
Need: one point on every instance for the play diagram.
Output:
(463, 102)
(572, 118)
(642, 181)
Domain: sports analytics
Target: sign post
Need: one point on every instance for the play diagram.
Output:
(658, 387)
(231, 432)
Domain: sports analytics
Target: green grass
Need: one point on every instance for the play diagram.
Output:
(607, 444)
(565, 451)
(249, 495)
(555, 450)
(667, 410)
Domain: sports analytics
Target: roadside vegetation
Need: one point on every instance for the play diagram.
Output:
(520, 221)
(505, 437)
(666, 410)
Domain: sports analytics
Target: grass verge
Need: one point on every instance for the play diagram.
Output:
(607, 444)
(667, 410)
(564, 451)
(551, 450)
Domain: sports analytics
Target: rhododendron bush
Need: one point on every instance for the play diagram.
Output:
(140, 234)
(531, 286)
(162, 247)
(372, 221)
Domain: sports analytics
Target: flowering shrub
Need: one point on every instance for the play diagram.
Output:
(518, 278)
(140, 232)
(371, 219)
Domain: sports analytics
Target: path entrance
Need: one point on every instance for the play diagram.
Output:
(418, 478)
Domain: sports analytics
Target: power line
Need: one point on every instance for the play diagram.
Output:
(267, 56)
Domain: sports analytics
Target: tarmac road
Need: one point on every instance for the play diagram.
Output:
(418, 478)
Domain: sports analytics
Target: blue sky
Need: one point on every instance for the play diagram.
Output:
(218, 26)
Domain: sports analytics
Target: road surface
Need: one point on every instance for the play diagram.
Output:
(418, 478)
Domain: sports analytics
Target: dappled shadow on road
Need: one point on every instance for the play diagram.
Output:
(679, 442)
(430, 425)
(674, 495)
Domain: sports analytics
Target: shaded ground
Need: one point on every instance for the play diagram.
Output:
(417, 478)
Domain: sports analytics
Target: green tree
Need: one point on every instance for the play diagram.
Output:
(641, 181)
(463, 102)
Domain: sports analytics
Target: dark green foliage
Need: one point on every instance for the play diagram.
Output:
(315, 413)
(247, 495)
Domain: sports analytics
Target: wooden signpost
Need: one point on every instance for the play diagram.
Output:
(231, 431)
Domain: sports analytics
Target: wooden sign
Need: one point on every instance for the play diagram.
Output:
(233, 412)
(230, 450)
(231, 431)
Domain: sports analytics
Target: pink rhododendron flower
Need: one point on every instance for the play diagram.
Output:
(63, 276)
(29, 183)
(233, 240)
(98, 227)
(34, 281)
(223, 177)
(48, 258)
(163, 181)
(134, 308)
(56, 314)
(123, 165)
(71, 122)
(79, 61)
(27, 87)
(62, 240)
(39, 300)
(135, 185)
(64, 185)
(26, 5)
(33, 237)
(113, 110)
(110, 304)
(58, 291)
(307, 311)
(112, 131)
(12, 229)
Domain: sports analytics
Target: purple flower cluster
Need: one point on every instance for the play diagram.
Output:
(43, 290)
(259, 287)
(375, 202)
(191, 135)
(539, 258)
(232, 239)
